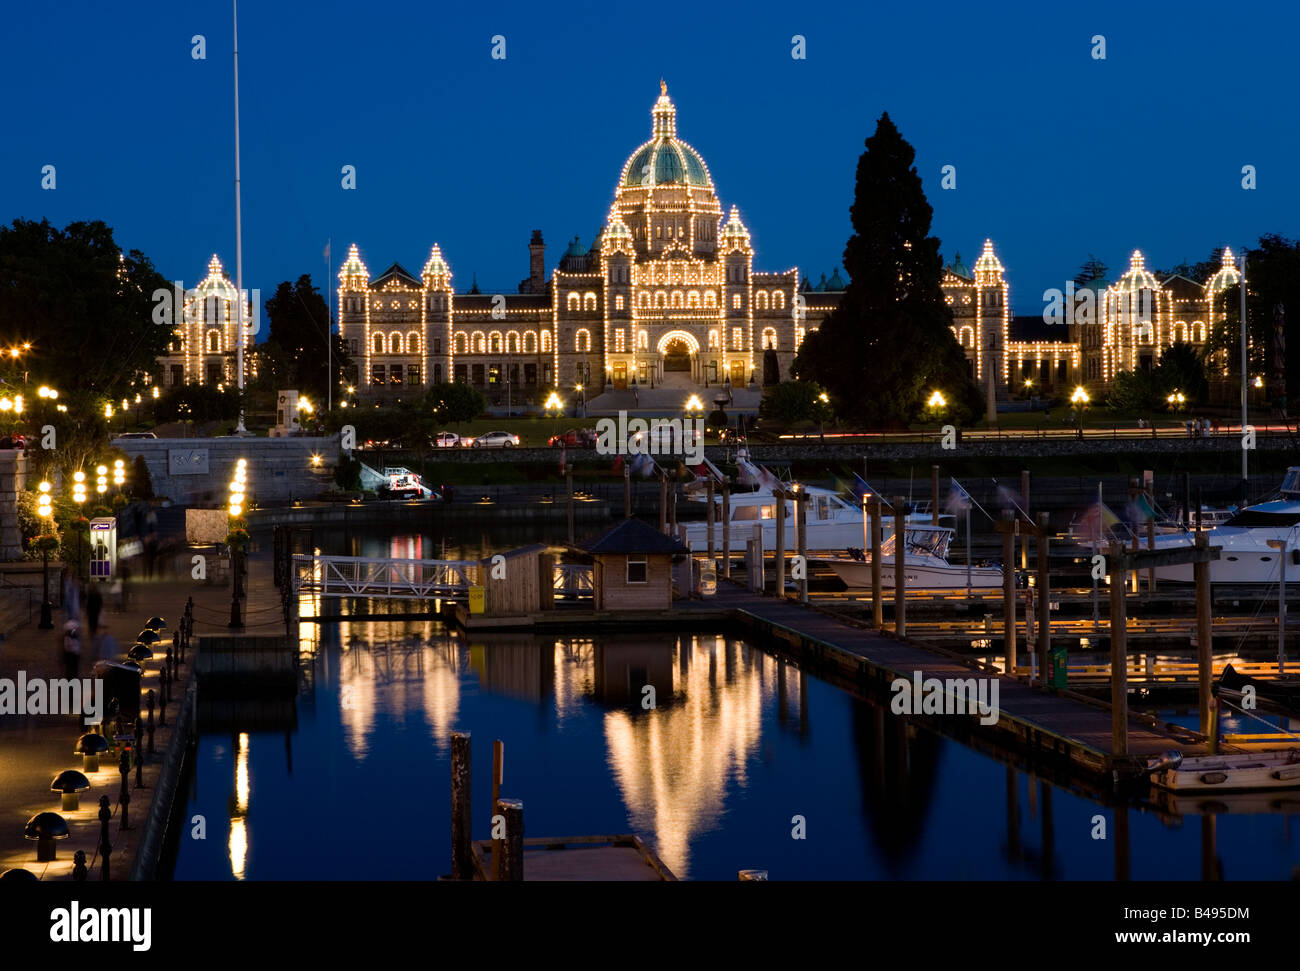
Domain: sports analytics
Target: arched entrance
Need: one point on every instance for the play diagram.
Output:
(678, 355)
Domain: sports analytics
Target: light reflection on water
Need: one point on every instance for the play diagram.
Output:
(736, 753)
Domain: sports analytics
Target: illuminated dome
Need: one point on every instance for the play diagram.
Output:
(1137, 277)
(216, 284)
(665, 159)
(1228, 275)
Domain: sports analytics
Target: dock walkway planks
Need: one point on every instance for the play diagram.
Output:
(1039, 719)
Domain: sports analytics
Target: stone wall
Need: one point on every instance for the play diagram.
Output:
(13, 479)
(198, 471)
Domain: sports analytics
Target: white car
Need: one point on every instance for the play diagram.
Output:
(447, 440)
(496, 440)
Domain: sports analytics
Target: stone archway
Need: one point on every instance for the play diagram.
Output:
(677, 356)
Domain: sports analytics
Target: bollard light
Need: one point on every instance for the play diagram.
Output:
(45, 828)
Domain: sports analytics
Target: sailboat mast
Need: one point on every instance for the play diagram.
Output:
(1244, 474)
(239, 237)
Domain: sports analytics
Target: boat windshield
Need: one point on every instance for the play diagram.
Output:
(928, 542)
(1256, 519)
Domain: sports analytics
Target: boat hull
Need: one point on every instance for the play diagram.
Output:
(937, 575)
(1233, 773)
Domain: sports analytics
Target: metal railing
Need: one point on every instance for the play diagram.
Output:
(391, 578)
(574, 581)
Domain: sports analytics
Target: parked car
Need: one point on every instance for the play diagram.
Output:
(137, 435)
(447, 440)
(496, 440)
(574, 438)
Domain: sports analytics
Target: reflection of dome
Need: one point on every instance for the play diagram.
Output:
(665, 159)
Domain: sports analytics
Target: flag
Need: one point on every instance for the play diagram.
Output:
(642, 465)
(1097, 523)
(959, 499)
(1140, 510)
(327, 254)
(862, 488)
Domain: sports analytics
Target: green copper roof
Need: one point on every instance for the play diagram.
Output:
(665, 161)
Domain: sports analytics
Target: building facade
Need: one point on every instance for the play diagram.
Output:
(204, 344)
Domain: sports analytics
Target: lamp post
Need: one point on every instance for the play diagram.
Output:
(823, 403)
(1080, 401)
(79, 497)
(119, 474)
(235, 508)
(46, 513)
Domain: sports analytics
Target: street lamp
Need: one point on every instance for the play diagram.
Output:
(824, 402)
(234, 508)
(553, 404)
(79, 497)
(101, 479)
(1080, 401)
(46, 513)
(1176, 400)
(119, 473)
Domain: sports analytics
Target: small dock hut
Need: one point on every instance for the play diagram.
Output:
(633, 567)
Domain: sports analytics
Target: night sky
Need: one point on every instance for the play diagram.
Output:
(1058, 155)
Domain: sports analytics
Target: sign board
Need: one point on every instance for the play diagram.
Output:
(187, 461)
(476, 600)
(205, 527)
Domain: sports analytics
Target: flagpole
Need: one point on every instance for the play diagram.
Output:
(329, 331)
(1096, 540)
(239, 239)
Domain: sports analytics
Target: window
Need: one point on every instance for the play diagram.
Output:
(677, 300)
(582, 340)
(462, 343)
(395, 374)
(437, 374)
(378, 374)
(618, 302)
(395, 343)
(437, 345)
(737, 339)
(546, 342)
(588, 301)
(479, 340)
(769, 338)
(661, 299)
(638, 570)
(710, 298)
(735, 301)
(643, 300)
(760, 300)
(178, 375)
(642, 340)
(693, 299)
(778, 300)
(620, 340)
(413, 374)
(530, 374)
(494, 374)
(530, 342)
(494, 341)
(354, 347)
(572, 301)
(462, 373)
(377, 344)
(412, 343)
(214, 373)
(478, 375)
(713, 339)
(512, 342)
(214, 342)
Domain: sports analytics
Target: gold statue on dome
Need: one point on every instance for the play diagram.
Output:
(663, 86)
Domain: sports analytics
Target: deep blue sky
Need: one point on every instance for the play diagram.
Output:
(1057, 155)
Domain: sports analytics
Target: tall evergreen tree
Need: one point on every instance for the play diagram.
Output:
(888, 344)
(296, 352)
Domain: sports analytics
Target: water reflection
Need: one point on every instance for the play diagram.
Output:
(238, 843)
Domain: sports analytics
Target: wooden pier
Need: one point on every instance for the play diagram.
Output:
(1058, 724)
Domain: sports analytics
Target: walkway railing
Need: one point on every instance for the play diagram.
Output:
(391, 578)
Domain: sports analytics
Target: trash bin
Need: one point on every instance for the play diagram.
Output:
(123, 683)
(708, 578)
(1060, 678)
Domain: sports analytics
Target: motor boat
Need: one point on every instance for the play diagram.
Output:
(925, 564)
(1238, 771)
(1280, 694)
(1254, 541)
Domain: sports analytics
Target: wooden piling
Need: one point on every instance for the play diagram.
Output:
(1118, 649)
(1009, 592)
(877, 606)
(512, 850)
(1204, 634)
(1187, 500)
(801, 538)
(498, 776)
(900, 567)
(462, 854)
(663, 503)
(1044, 583)
(726, 530)
(627, 491)
(709, 517)
(780, 542)
(568, 487)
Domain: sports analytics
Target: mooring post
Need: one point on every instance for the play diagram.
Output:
(462, 854)
(1118, 569)
(568, 487)
(1044, 599)
(1204, 634)
(124, 796)
(801, 536)
(709, 516)
(105, 847)
(934, 494)
(149, 724)
(900, 567)
(726, 530)
(877, 603)
(663, 503)
(137, 752)
(627, 490)
(779, 495)
(1187, 500)
(498, 775)
(1199, 501)
(1009, 590)
(1151, 545)
(1121, 843)
(512, 849)
(672, 507)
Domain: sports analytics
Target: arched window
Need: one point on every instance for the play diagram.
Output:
(395, 343)
(582, 340)
(677, 300)
(967, 338)
(760, 299)
(494, 342)
(769, 338)
(618, 301)
(177, 342)
(661, 299)
(572, 302)
(479, 341)
(377, 344)
(693, 299)
(1198, 330)
(778, 299)
(462, 343)
(512, 342)
(710, 298)
(642, 340)
(643, 300)
(530, 342)
(713, 338)
(413, 343)
(546, 341)
(214, 342)
(588, 301)
(735, 301)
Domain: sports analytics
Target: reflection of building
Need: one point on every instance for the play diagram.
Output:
(625, 669)
(204, 341)
(666, 292)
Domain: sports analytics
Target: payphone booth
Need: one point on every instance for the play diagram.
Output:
(103, 548)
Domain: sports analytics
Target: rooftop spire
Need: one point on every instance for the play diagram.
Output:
(664, 114)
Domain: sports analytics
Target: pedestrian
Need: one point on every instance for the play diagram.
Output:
(71, 589)
(94, 605)
(71, 649)
(123, 578)
(150, 542)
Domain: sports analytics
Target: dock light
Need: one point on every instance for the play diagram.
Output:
(937, 400)
(90, 747)
(119, 473)
(70, 782)
(45, 828)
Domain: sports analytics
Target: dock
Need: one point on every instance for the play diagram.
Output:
(624, 858)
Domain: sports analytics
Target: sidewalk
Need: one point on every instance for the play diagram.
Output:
(35, 748)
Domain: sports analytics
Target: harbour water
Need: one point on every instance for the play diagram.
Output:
(740, 761)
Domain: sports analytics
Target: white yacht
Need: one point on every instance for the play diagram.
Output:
(925, 564)
(1247, 555)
